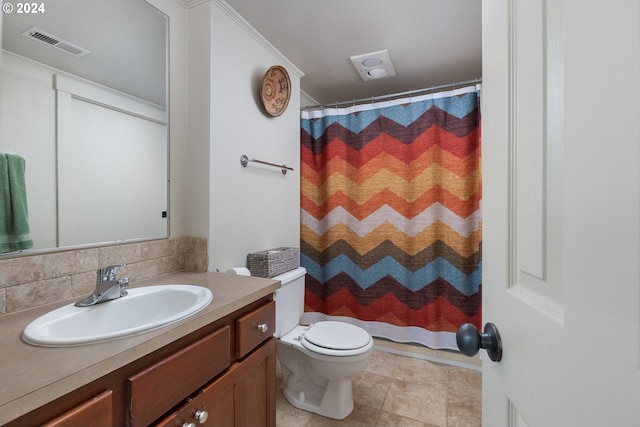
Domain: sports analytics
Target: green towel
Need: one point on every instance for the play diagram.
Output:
(14, 217)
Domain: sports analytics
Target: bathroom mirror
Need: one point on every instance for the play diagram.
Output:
(83, 99)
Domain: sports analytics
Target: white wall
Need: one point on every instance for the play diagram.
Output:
(306, 100)
(254, 208)
(199, 77)
(217, 62)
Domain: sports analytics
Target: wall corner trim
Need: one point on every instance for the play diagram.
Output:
(224, 6)
(190, 3)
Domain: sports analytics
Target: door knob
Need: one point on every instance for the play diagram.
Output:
(470, 341)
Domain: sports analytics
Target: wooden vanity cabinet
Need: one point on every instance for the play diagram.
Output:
(209, 368)
(242, 396)
(254, 327)
(96, 412)
(158, 388)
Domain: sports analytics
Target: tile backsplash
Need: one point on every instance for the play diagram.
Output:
(30, 281)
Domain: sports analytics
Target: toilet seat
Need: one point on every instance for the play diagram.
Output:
(336, 339)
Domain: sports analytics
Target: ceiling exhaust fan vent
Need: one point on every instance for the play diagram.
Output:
(51, 40)
(374, 65)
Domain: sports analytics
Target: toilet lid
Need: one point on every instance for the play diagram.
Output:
(337, 336)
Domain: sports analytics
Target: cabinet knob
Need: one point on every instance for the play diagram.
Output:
(263, 327)
(201, 416)
(189, 425)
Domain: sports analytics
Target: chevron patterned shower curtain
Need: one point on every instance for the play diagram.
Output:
(391, 226)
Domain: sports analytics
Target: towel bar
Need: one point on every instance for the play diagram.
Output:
(244, 160)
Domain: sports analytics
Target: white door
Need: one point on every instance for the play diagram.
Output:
(561, 190)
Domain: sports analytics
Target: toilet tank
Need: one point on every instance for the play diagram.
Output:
(289, 300)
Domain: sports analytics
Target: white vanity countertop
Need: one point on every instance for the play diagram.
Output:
(33, 376)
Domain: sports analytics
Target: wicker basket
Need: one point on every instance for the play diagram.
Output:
(272, 262)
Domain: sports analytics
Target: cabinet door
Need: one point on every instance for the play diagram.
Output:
(219, 403)
(243, 396)
(96, 412)
(256, 387)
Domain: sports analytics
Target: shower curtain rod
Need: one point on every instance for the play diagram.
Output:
(394, 95)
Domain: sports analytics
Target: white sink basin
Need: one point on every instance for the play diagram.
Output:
(142, 310)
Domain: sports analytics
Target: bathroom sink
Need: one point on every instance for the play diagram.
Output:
(142, 310)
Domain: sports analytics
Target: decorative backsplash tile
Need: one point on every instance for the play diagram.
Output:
(30, 281)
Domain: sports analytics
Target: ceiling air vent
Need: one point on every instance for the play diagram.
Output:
(51, 40)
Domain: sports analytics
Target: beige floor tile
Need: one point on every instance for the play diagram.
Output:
(401, 391)
(382, 363)
(361, 416)
(370, 390)
(463, 410)
(417, 401)
(464, 381)
(419, 371)
(387, 419)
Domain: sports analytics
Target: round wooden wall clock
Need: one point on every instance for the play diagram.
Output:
(275, 90)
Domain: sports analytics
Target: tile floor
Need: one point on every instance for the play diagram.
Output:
(397, 390)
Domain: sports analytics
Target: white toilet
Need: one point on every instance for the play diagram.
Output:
(318, 360)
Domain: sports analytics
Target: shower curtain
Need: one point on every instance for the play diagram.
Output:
(391, 226)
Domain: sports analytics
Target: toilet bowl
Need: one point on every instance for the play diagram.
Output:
(318, 361)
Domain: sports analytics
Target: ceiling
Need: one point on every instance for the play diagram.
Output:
(430, 42)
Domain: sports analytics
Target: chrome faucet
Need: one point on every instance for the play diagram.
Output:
(107, 287)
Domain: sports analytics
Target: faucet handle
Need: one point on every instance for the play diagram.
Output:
(124, 283)
(108, 273)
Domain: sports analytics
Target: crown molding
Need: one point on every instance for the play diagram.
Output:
(311, 98)
(190, 3)
(224, 6)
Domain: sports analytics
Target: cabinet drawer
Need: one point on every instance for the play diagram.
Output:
(155, 390)
(216, 402)
(253, 328)
(95, 412)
